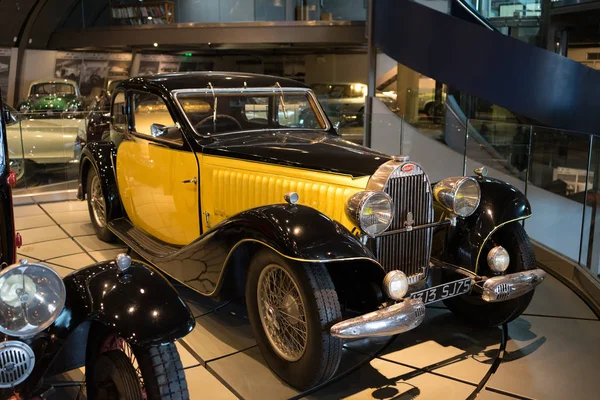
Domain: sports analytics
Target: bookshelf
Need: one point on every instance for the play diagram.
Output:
(146, 13)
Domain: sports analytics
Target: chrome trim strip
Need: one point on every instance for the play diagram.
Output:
(397, 318)
(425, 226)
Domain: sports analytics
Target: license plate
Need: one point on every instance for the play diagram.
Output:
(444, 291)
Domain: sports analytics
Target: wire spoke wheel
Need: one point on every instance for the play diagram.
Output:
(120, 344)
(282, 312)
(97, 202)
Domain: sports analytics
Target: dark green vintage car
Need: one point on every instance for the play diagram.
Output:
(50, 96)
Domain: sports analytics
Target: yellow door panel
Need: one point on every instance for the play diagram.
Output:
(150, 183)
(230, 186)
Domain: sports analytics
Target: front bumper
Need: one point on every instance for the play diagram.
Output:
(510, 286)
(397, 318)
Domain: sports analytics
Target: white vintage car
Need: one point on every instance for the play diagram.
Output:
(42, 143)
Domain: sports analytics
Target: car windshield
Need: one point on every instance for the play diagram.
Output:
(49, 88)
(226, 112)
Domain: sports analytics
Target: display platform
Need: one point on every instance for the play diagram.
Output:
(552, 351)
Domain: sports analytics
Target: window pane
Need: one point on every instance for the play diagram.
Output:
(151, 110)
(119, 120)
(252, 111)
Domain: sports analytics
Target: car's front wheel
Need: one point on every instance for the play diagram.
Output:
(291, 307)
(117, 371)
(97, 207)
(472, 308)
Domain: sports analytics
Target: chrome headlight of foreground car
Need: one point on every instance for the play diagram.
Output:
(371, 211)
(31, 298)
(459, 195)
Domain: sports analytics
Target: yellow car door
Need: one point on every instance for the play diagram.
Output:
(157, 173)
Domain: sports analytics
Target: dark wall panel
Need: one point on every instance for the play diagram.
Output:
(528, 80)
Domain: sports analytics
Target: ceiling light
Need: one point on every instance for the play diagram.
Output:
(155, 44)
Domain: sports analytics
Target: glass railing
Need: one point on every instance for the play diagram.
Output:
(44, 150)
(558, 170)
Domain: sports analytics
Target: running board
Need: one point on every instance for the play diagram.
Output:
(142, 243)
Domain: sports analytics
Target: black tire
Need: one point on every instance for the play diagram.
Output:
(162, 371)
(429, 109)
(100, 227)
(323, 352)
(472, 308)
(160, 366)
(116, 378)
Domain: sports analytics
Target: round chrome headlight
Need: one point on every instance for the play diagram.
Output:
(395, 284)
(24, 108)
(459, 195)
(371, 211)
(498, 259)
(31, 298)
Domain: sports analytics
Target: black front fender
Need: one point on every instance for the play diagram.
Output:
(139, 305)
(501, 203)
(102, 157)
(296, 232)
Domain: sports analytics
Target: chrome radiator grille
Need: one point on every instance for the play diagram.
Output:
(408, 251)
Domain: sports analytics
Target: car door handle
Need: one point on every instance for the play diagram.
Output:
(193, 180)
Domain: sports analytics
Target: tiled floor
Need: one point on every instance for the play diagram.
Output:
(553, 351)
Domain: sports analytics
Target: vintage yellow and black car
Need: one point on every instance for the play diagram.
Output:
(219, 181)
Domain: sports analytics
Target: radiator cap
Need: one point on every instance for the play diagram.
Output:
(400, 158)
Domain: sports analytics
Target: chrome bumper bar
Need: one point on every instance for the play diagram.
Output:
(510, 286)
(397, 318)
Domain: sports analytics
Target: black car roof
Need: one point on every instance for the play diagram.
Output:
(201, 80)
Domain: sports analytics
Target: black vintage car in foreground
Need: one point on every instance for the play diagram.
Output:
(117, 318)
(216, 180)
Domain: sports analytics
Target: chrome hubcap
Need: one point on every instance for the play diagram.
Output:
(18, 167)
(282, 312)
(97, 202)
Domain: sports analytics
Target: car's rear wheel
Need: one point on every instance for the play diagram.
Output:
(472, 308)
(97, 207)
(291, 307)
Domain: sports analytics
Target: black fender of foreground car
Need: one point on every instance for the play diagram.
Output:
(296, 232)
(501, 203)
(139, 304)
(101, 156)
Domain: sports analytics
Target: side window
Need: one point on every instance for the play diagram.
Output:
(119, 119)
(152, 118)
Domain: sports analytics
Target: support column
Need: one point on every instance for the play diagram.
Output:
(407, 88)
(372, 81)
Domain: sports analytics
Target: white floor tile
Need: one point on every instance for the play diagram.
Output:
(202, 385)
(186, 358)
(34, 221)
(79, 228)
(92, 243)
(27, 211)
(71, 217)
(107, 254)
(62, 271)
(76, 261)
(65, 206)
(36, 235)
(51, 249)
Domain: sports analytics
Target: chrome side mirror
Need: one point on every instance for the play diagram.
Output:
(158, 130)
